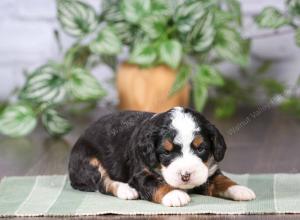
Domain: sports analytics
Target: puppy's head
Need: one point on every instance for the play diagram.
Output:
(184, 147)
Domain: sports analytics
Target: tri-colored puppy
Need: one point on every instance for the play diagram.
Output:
(156, 157)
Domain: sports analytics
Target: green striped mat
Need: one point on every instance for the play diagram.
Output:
(53, 196)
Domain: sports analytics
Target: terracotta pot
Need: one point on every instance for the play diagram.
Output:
(147, 89)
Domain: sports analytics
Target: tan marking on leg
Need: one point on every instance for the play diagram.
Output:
(219, 185)
(160, 192)
(109, 185)
(94, 162)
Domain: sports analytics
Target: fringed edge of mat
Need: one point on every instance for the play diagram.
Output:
(148, 214)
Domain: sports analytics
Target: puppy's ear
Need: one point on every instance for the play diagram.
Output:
(219, 145)
(146, 145)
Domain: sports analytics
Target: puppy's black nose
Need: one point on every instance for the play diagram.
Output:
(185, 177)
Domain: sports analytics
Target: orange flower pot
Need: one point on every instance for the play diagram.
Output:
(147, 89)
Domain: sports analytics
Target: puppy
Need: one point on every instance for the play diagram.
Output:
(155, 157)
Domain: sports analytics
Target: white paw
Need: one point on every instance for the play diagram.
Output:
(239, 193)
(126, 192)
(176, 198)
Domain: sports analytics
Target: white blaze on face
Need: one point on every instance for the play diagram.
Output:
(188, 162)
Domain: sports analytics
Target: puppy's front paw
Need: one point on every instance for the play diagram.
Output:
(126, 192)
(176, 198)
(239, 193)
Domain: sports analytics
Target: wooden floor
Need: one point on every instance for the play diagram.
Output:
(258, 142)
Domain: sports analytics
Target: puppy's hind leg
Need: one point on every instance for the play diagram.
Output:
(116, 188)
(89, 175)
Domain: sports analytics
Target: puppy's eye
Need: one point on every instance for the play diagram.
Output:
(201, 148)
(197, 142)
(168, 145)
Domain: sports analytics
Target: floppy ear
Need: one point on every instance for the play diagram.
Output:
(219, 145)
(146, 145)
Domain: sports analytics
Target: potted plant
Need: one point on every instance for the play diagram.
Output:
(173, 47)
(172, 44)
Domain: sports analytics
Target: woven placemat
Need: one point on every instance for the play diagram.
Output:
(53, 196)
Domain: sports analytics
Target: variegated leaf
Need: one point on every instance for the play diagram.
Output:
(123, 31)
(297, 37)
(200, 94)
(181, 80)
(83, 86)
(234, 8)
(107, 43)
(203, 34)
(143, 54)
(17, 120)
(76, 17)
(111, 11)
(229, 45)
(135, 10)
(160, 8)
(46, 84)
(210, 76)
(187, 14)
(293, 7)
(154, 26)
(55, 124)
(170, 53)
(271, 18)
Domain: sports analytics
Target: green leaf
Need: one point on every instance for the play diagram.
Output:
(200, 93)
(272, 87)
(46, 84)
(17, 120)
(181, 80)
(83, 86)
(293, 7)
(107, 43)
(111, 11)
(123, 31)
(297, 37)
(234, 8)
(264, 67)
(170, 53)
(143, 54)
(2, 106)
(77, 55)
(202, 35)
(210, 76)
(271, 18)
(160, 8)
(225, 107)
(54, 123)
(229, 45)
(291, 106)
(154, 26)
(222, 18)
(113, 16)
(135, 10)
(187, 15)
(76, 18)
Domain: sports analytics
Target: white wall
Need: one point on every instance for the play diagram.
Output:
(27, 41)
